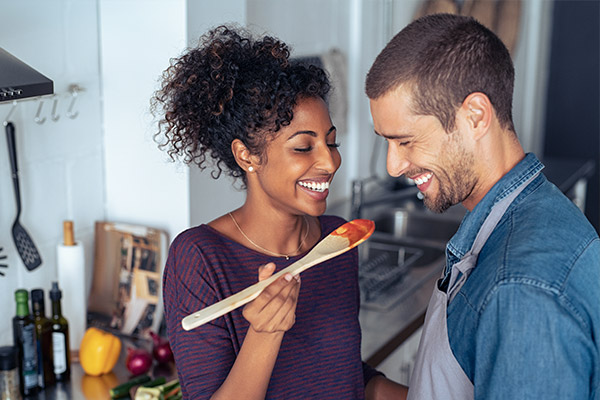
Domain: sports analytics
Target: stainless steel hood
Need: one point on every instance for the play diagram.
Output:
(19, 81)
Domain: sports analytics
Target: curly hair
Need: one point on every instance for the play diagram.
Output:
(231, 86)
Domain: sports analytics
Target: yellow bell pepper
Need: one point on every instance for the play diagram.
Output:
(99, 351)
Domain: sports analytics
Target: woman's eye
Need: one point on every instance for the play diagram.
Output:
(333, 145)
(303, 149)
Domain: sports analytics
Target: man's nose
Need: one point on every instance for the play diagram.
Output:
(397, 162)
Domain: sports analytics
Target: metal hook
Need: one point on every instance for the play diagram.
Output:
(55, 117)
(14, 106)
(74, 89)
(37, 118)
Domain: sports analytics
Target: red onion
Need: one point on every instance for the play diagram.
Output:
(138, 361)
(161, 349)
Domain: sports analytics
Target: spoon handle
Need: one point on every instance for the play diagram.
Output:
(251, 292)
(344, 238)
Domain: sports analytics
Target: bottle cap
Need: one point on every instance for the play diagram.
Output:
(37, 295)
(8, 358)
(21, 296)
(55, 293)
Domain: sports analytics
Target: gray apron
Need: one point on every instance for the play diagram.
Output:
(437, 375)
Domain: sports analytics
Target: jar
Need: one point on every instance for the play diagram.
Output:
(9, 374)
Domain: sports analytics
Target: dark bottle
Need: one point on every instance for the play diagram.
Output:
(43, 331)
(25, 341)
(60, 337)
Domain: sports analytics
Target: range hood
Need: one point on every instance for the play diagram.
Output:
(19, 81)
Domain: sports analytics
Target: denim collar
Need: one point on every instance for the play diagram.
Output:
(463, 239)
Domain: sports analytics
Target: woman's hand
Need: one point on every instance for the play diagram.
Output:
(270, 315)
(274, 310)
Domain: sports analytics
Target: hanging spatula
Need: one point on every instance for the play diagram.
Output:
(27, 250)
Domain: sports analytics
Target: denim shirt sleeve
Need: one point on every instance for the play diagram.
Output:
(540, 341)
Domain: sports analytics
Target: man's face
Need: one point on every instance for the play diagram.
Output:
(419, 148)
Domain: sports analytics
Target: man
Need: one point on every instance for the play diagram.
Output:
(516, 314)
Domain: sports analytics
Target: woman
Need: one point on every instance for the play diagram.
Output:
(242, 103)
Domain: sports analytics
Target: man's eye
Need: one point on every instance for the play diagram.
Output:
(403, 143)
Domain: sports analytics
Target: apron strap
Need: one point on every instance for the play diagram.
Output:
(469, 260)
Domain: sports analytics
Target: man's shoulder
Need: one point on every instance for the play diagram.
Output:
(545, 224)
(538, 244)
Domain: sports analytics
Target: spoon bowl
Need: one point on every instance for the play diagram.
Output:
(344, 238)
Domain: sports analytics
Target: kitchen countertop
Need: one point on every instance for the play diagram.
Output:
(85, 387)
(384, 330)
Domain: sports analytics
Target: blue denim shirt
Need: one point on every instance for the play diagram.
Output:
(526, 324)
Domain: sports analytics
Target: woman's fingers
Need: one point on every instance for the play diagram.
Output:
(265, 271)
(274, 309)
(279, 314)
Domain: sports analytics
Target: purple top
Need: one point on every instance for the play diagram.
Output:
(320, 355)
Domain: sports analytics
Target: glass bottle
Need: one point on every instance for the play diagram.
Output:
(60, 337)
(43, 331)
(25, 341)
(9, 374)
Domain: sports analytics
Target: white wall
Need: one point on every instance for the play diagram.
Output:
(210, 198)
(142, 185)
(61, 163)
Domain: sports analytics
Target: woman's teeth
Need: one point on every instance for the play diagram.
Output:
(316, 186)
(424, 178)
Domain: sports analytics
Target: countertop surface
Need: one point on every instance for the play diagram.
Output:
(86, 387)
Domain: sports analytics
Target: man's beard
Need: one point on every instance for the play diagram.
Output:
(455, 182)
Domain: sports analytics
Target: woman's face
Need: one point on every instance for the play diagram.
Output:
(300, 161)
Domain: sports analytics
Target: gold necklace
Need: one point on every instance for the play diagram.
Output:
(287, 257)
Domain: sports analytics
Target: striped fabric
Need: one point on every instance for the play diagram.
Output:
(319, 357)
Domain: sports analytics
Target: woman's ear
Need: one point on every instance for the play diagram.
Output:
(242, 155)
(477, 111)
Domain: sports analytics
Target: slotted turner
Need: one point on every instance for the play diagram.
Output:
(25, 246)
(344, 238)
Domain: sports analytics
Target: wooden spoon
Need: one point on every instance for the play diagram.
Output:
(344, 238)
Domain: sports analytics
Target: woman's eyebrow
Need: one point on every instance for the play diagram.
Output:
(310, 133)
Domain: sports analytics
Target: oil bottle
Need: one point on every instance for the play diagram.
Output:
(60, 337)
(24, 338)
(43, 331)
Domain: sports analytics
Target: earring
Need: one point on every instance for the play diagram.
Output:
(251, 169)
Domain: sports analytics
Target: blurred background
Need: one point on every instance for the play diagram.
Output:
(87, 154)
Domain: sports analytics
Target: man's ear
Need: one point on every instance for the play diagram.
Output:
(477, 112)
(242, 156)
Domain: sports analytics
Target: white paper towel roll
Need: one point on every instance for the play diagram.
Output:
(71, 276)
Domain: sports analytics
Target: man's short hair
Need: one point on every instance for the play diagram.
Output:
(442, 58)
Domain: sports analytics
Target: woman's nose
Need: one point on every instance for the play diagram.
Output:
(329, 159)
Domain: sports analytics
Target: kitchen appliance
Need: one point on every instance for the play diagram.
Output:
(19, 81)
(27, 250)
